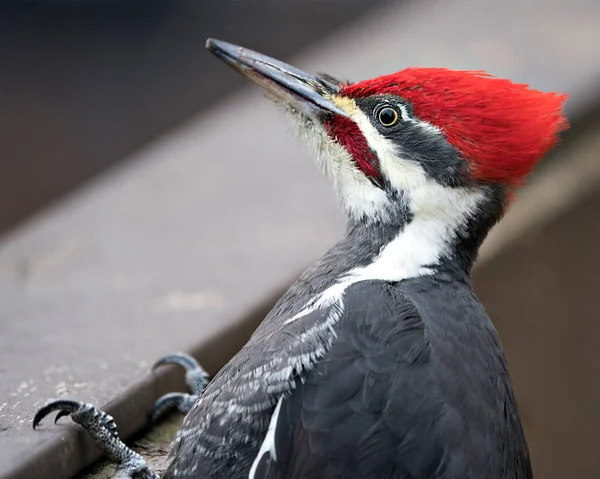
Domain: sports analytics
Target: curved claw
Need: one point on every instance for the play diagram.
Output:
(61, 414)
(169, 401)
(196, 377)
(184, 360)
(103, 431)
(64, 406)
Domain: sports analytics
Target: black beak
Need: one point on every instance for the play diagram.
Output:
(278, 78)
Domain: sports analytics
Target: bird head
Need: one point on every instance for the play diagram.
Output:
(424, 143)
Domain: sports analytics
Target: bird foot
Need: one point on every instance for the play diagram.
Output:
(196, 379)
(103, 430)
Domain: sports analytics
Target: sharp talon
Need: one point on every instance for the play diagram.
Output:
(165, 402)
(65, 406)
(196, 377)
(61, 414)
(102, 429)
(184, 360)
(183, 403)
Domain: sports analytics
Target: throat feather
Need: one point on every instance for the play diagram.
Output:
(421, 245)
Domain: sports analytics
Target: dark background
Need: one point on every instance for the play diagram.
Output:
(83, 84)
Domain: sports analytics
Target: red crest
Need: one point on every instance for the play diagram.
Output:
(500, 127)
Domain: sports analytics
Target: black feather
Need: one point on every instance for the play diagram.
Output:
(385, 403)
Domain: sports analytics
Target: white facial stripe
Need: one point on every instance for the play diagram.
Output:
(438, 211)
(423, 124)
(404, 175)
(445, 207)
(427, 238)
(404, 114)
(414, 252)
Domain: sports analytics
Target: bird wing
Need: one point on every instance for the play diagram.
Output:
(225, 428)
(367, 407)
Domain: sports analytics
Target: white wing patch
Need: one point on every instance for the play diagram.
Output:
(268, 445)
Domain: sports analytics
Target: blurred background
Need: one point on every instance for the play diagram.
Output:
(86, 83)
(144, 184)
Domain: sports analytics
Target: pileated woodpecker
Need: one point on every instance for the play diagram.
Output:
(379, 361)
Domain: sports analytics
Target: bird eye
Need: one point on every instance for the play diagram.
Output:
(387, 116)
